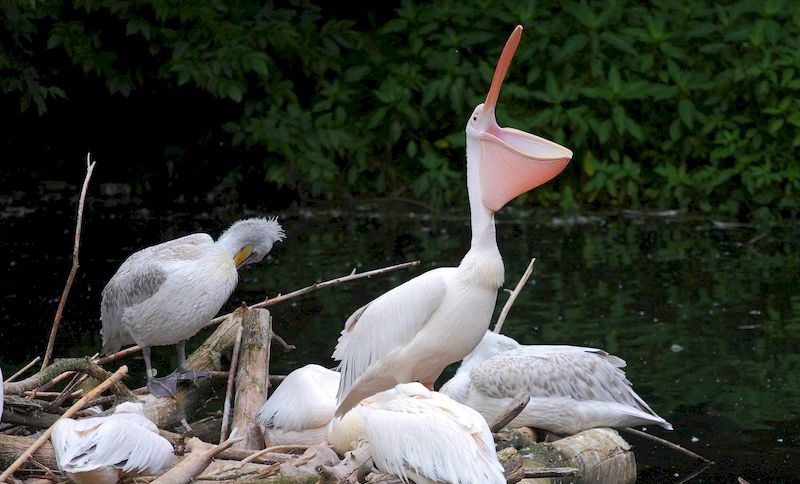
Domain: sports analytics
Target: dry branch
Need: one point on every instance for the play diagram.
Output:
(62, 302)
(59, 367)
(23, 369)
(513, 297)
(226, 407)
(191, 467)
(510, 412)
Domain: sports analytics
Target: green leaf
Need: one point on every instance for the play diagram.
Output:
(686, 112)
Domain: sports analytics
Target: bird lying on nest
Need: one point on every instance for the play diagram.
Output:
(164, 294)
(572, 388)
(103, 450)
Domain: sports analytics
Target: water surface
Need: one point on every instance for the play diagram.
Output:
(706, 314)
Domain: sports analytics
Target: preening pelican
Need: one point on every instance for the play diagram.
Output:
(415, 330)
(571, 388)
(164, 294)
(300, 410)
(103, 450)
(421, 435)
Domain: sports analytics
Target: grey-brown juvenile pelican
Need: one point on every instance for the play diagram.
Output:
(164, 294)
(412, 332)
(572, 388)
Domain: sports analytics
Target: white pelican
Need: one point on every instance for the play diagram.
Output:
(103, 450)
(415, 330)
(1, 394)
(571, 388)
(300, 410)
(424, 436)
(164, 294)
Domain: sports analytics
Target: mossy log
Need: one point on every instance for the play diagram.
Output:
(599, 455)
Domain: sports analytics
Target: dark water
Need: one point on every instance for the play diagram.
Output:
(707, 315)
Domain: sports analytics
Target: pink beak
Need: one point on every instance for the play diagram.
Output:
(513, 161)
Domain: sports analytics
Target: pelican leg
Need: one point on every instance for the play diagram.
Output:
(184, 373)
(160, 387)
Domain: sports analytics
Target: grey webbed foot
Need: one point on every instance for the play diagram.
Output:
(163, 387)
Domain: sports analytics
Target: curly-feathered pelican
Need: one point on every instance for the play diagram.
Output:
(423, 436)
(164, 294)
(572, 388)
(103, 450)
(300, 410)
(415, 330)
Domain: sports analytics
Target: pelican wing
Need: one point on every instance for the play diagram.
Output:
(306, 399)
(551, 371)
(137, 279)
(441, 440)
(387, 323)
(119, 440)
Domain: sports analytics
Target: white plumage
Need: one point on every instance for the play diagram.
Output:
(164, 294)
(102, 450)
(572, 388)
(415, 330)
(1, 394)
(424, 436)
(300, 411)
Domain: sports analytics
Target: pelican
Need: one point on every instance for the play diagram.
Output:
(103, 450)
(300, 410)
(1, 394)
(412, 332)
(424, 436)
(164, 294)
(572, 388)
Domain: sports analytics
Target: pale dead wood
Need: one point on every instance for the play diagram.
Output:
(23, 369)
(513, 297)
(252, 377)
(510, 412)
(234, 454)
(13, 446)
(62, 302)
(550, 472)
(356, 464)
(117, 376)
(199, 459)
(226, 408)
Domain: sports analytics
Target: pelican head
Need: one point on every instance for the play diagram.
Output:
(511, 161)
(251, 239)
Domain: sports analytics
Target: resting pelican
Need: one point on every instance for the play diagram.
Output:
(103, 450)
(415, 330)
(300, 410)
(417, 434)
(571, 388)
(164, 294)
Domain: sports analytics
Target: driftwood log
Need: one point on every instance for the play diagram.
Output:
(598, 455)
(252, 378)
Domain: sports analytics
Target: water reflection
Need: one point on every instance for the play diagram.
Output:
(706, 315)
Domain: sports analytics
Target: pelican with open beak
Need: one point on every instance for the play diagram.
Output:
(415, 330)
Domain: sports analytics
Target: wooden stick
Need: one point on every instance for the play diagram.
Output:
(513, 297)
(116, 377)
(550, 472)
(274, 448)
(119, 354)
(63, 301)
(510, 412)
(196, 463)
(668, 444)
(23, 369)
(226, 409)
(64, 365)
(320, 285)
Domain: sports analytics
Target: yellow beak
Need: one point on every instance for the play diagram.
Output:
(242, 255)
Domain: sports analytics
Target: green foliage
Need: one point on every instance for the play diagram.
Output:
(671, 104)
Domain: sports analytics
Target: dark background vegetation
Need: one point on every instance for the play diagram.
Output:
(690, 105)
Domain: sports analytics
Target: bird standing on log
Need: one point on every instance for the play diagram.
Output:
(164, 294)
(415, 330)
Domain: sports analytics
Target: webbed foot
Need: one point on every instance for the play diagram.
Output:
(163, 387)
